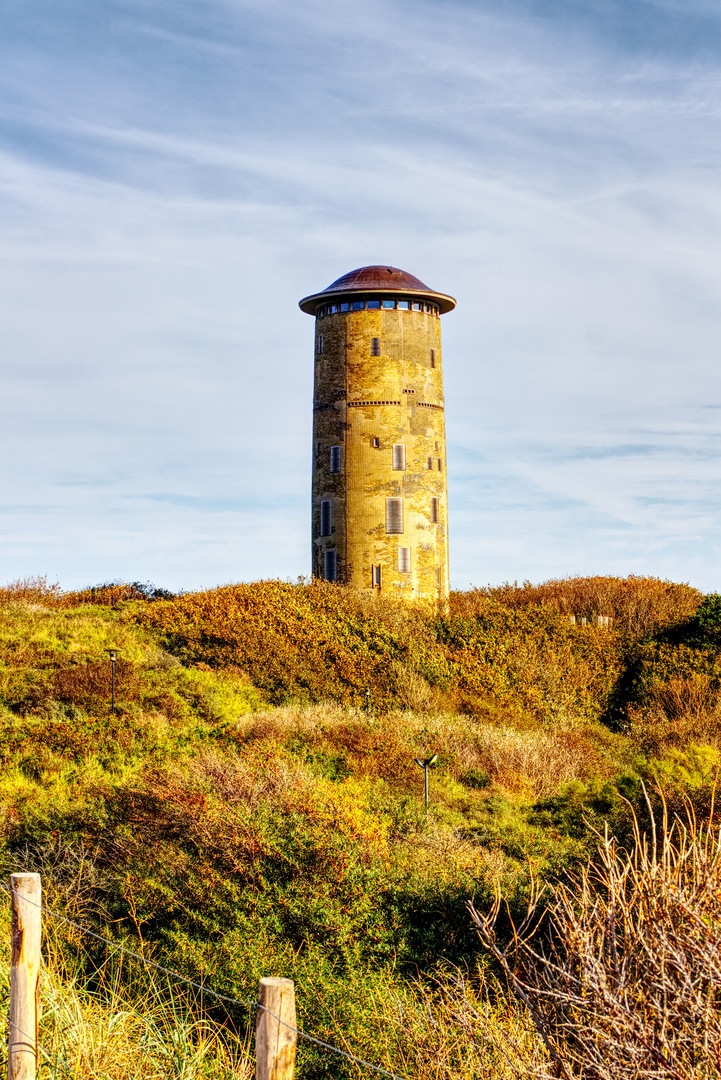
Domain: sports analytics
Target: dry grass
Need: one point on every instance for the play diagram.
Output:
(159, 1034)
(528, 761)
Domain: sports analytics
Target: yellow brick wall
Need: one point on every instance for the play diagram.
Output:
(345, 374)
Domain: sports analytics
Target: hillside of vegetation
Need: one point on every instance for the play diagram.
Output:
(253, 806)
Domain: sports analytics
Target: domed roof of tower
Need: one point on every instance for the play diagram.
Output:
(375, 280)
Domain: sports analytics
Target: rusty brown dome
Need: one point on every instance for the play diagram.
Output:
(375, 281)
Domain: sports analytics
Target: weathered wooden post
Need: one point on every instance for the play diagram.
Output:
(24, 976)
(275, 1042)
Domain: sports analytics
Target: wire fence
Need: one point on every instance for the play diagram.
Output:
(226, 998)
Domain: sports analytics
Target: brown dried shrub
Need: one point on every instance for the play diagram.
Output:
(640, 605)
(89, 685)
(623, 980)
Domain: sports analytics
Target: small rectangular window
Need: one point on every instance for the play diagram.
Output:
(321, 341)
(429, 463)
(377, 577)
(389, 303)
(326, 523)
(429, 309)
(375, 442)
(375, 346)
(344, 307)
(373, 305)
(440, 465)
(399, 456)
(404, 560)
(417, 307)
(394, 516)
(434, 511)
(330, 564)
(335, 459)
(404, 305)
(358, 305)
(433, 357)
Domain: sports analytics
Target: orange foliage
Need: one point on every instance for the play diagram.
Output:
(639, 604)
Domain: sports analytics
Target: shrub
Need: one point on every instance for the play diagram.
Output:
(623, 976)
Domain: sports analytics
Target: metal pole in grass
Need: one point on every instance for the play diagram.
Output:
(425, 766)
(23, 1015)
(113, 658)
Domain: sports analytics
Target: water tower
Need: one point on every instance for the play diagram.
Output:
(380, 505)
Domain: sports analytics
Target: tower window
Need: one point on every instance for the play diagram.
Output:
(375, 442)
(399, 456)
(330, 564)
(429, 463)
(325, 518)
(404, 305)
(404, 560)
(389, 303)
(433, 357)
(375, 346)
(417, 307)
(335, 459)
(376, 577)
(344, 307)
(440, 465)
(321, 343)
(358, 305)
(394, 516)
(439, 578)
(372, 305)
(434, 511)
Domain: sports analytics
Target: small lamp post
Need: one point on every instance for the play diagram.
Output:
(425, 765)
(113, 658)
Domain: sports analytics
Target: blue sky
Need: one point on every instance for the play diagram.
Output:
(175, 176)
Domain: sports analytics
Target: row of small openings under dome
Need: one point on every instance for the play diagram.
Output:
(394, 515)
(330, 567)
(399, 458)
(376, 305)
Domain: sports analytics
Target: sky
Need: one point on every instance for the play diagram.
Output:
(175, 176)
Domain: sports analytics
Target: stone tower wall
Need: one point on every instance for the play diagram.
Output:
(366, 404)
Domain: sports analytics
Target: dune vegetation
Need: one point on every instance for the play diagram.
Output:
(253, 808)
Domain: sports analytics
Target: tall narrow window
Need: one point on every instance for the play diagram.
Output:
(404, 560)
(321, 343)
(377, 577)
(429, 463)
(439, 579)
(375, 346)
(399, 456)
(394, 515)
(434, 511)
(433, 357)
(440, 465)
(330, 565)
(335, 459)
(325, 518)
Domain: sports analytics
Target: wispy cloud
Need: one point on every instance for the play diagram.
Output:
(174, 177)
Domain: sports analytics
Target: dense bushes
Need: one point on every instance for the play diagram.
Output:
(233, 839)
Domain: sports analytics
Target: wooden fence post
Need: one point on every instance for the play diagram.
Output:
(275, 1043)
(24, 976)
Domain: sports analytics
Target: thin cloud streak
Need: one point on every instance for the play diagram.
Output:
(169, 193)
